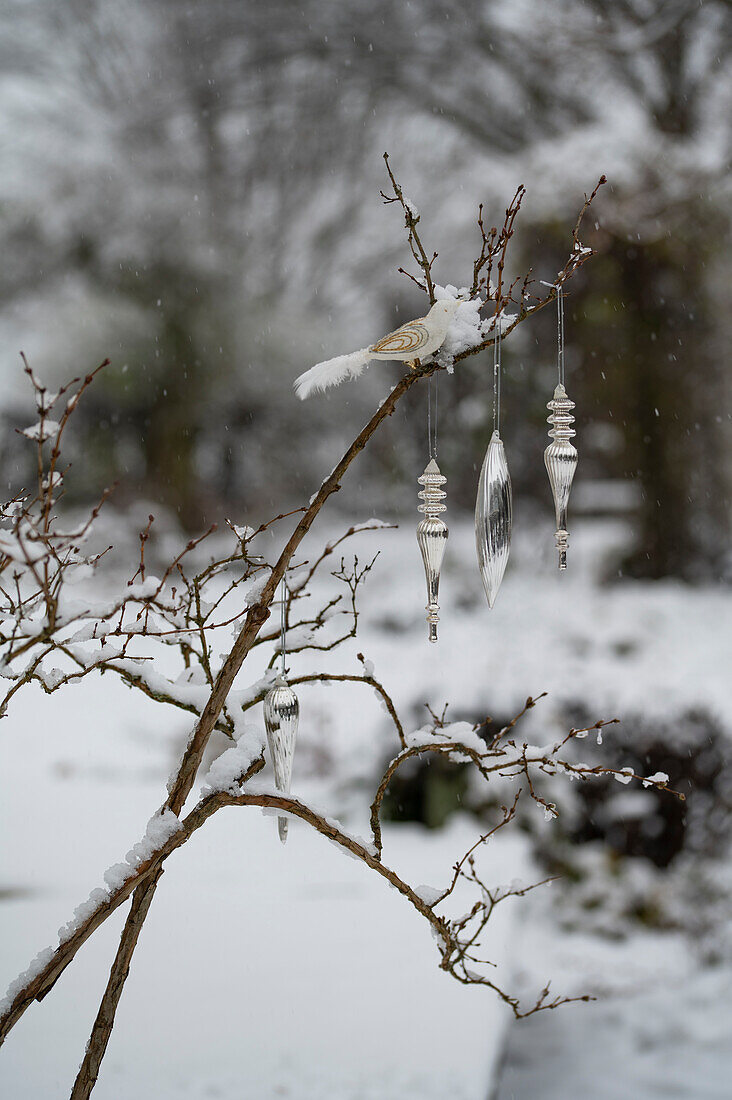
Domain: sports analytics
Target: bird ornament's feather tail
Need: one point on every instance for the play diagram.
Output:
(331, 373)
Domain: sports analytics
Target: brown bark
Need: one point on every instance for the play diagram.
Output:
(97, 1045)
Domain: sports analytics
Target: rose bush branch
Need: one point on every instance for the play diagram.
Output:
(51, 640)
(459, 743)
(175, 612)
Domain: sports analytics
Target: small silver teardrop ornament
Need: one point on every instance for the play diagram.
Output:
(281, 716)
(493, 518)
(560, 459)
(432, 538)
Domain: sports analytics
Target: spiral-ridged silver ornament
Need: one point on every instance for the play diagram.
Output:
(493, 518)
(560, 459)
(281, 717)
(432, 537)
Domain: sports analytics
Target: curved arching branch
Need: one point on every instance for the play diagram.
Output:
(143, 879)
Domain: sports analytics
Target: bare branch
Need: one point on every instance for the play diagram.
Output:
(192, 602)
(411, 220)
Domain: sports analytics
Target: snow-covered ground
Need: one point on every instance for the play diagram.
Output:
(266, 971)
(660, 1027)
(263, 970)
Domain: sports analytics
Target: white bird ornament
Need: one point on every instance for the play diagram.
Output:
(414, 341)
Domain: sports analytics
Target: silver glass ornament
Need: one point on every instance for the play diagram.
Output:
(281, 715)
(560, 459)
(493, 517)
(432, 537)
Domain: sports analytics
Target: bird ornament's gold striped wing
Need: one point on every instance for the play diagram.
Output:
(403, 342)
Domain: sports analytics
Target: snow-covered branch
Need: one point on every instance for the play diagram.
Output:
(218, 584)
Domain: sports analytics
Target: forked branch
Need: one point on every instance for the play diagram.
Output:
(35, 556)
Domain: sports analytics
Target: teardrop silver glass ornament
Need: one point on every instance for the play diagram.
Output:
(432, 538)
(560, 459)
(493, 518)
(494, 501)
(281, 718)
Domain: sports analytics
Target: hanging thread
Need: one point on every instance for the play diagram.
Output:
(429, 416)
(432, 417)
(497, 376)
(283, 616)
(560, 334)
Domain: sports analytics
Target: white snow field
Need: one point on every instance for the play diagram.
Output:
(263, 970)
(659, 1029)
(269, 971)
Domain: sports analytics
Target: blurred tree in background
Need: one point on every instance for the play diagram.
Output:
(193, 190)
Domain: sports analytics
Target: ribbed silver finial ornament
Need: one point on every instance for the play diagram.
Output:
(281, 718)
(432, 538)
(560, 459)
